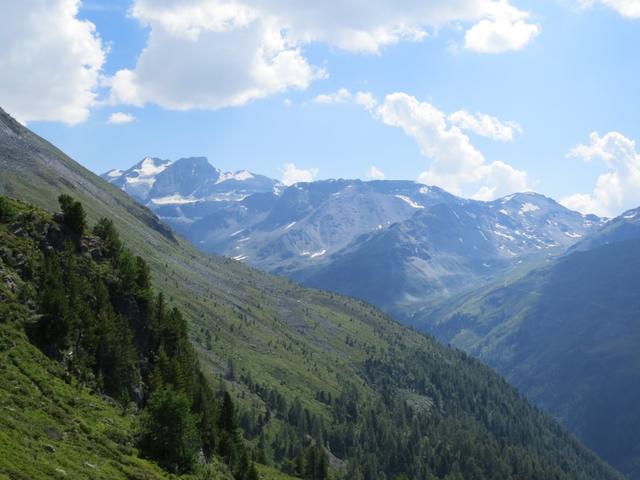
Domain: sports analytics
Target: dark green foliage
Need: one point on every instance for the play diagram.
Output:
(50, 332)
(111, 242)
(102, 321)
(230, 444)
(7, 212)
(78, 324)
(168, 431)
(458, 425)
(316, 463)
(73, 215)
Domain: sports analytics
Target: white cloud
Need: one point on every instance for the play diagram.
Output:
(191, 64)
(217, 53)
(619, 188)
(292, 174)
(455, 164)
(364, 99)
(374, 173)
(485, 125)
(506, 28)
(626, 8)
(50, 61)
(121, 117)
(341, 96)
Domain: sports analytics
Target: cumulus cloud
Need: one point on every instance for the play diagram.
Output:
(341, 96)
(626, 8)
(506, 28)
(217, 53)
(374, 173)
(190, 63)
(364, 99)
(485, 125)
(455, 164)
(292, 174)
(120, 117)
(619, 188)
(50, 61)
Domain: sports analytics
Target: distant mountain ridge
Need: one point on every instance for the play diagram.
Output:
(566, 335)
(429, 241)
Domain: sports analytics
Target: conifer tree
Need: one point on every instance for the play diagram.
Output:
(73, 215)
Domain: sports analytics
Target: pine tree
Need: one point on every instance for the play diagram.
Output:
(73, 215)
(168, 431)
(111, 243)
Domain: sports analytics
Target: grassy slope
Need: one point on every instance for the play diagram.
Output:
(51, 426)
(51, 429)
(568, 336)
(289, 338)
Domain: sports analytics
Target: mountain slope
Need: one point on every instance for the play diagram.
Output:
(60, 293)
(313, 367)
(621, 228)
(567, 336)
(448, 248)
(318, 233)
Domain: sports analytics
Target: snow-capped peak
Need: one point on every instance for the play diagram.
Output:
(239, 176)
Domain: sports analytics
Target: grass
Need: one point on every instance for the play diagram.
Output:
(53, 429)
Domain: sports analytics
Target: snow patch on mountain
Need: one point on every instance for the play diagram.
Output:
(528, 207)
(408, 201)
(147, 172)
(309, 254)
(114, 173)
(175, 200)
(239, 176)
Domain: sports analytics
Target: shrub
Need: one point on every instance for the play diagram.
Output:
(7, 212)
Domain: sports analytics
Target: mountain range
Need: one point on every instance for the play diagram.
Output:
(326, 233)
(544, 295)
(304, 366)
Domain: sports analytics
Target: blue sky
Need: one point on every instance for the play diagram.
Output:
(562, 70)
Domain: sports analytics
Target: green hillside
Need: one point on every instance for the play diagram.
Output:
(59, 295)
(567, 335)
(318, 377)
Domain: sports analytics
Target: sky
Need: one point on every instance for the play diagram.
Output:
(481, 97)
